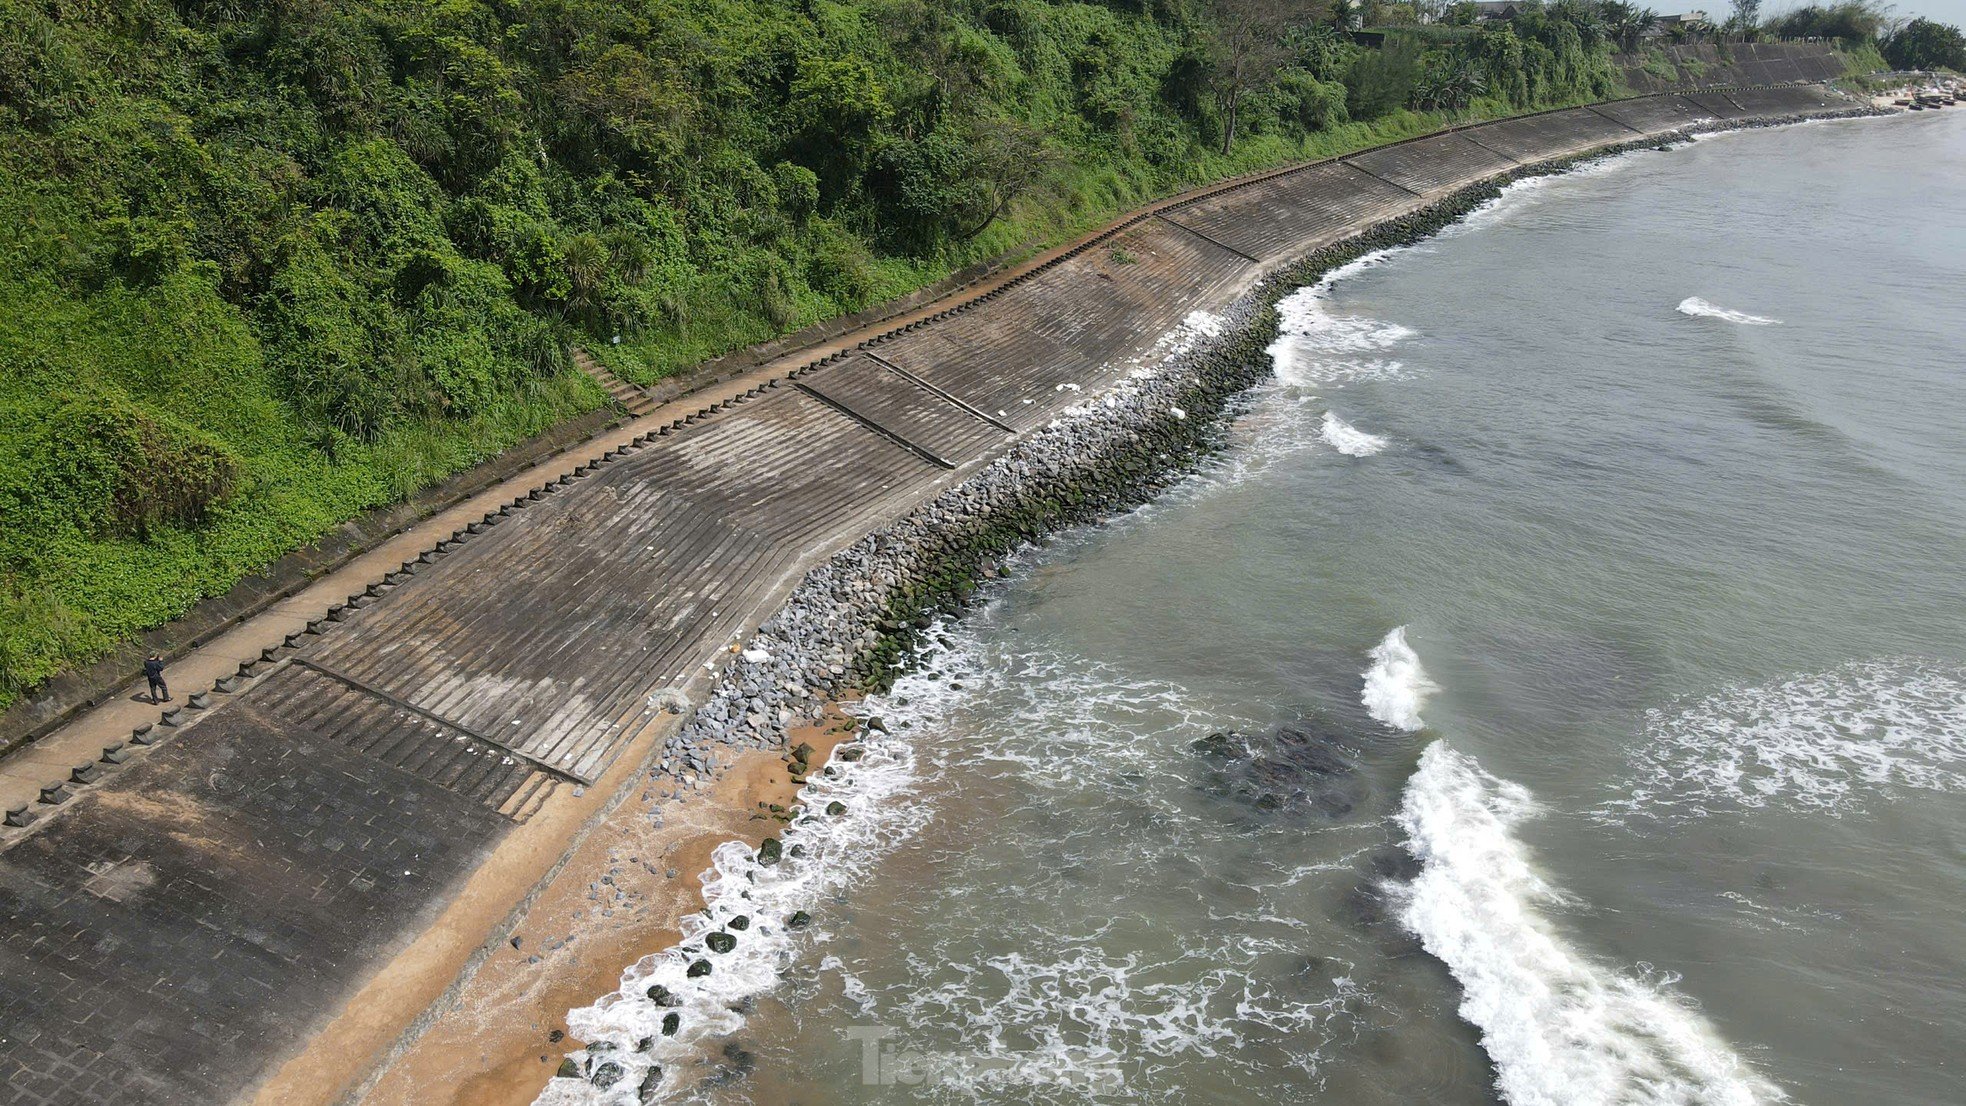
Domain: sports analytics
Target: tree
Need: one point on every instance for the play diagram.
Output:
(1925, 44)
(1747, 17)
(1628, 23)
(1245, 52)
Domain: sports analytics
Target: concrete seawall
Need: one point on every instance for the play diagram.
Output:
(180, 930)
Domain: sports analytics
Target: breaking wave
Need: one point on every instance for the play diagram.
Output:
(1562, 1029)
(1818, 742)
(1348, 439)
(1315, 347)
(1700, 309)
(824, 855)
(1396, 686)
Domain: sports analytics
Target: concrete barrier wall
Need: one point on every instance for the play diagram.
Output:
(1435, 164)
(1738, 63)
(1656, 113)
(1295, 214)
(1542, 137)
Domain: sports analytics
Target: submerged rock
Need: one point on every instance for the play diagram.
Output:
(607, 1075)
(1288, 771)
(651, 1083)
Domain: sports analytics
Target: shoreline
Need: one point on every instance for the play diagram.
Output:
(431, 951)
(1116, 451)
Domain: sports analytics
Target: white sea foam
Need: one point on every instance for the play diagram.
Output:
(1315, 347)
(1348, 439)
(1700, 309)
(1562, 1029)
(1823, 741)
(837, 852)
(1396, 687)
(1519, 195)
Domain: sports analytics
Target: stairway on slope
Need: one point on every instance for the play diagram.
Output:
(626, 396)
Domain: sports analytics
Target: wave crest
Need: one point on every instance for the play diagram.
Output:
(1562, 1029)
(1396, 686)
(1698, 308)
(1348, 439)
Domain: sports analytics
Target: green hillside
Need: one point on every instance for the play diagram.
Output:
(271, 263)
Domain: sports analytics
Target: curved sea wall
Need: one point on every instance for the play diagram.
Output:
(854, 622)
(444, 738)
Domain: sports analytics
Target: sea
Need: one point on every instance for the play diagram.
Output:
(1553, 694)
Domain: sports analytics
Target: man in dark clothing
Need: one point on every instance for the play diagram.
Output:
(153, 670)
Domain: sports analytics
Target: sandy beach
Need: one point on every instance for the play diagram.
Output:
(620, 899)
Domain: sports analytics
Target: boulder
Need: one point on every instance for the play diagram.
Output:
(698, 969)
(720, 942)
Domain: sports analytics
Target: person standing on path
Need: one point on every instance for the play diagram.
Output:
(153, 670)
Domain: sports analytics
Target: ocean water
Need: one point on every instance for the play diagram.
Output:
(1583, 611)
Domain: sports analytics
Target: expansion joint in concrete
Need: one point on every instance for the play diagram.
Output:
(918, 450)
(377, 693)
(935, 391)
(1218, 244)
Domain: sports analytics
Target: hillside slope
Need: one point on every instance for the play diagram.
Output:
(270, 264)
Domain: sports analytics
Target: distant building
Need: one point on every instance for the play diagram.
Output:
(1674, 24)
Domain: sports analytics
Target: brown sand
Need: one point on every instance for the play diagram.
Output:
(492, 1047)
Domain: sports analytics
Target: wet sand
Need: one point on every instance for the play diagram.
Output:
(622, 897)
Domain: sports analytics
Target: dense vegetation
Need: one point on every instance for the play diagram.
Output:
(271, 263)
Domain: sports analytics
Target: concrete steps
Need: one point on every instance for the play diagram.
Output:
(626, 396)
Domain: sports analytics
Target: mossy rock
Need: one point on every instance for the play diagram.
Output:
(799, 920)
(720, 942)
(836, 808)
(770, 852)
(740, 923)
(660, 995)
(671, 1022)
(607, 1075)
(698, 969)
(569, 1069)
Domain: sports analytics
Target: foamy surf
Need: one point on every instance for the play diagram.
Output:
(1348, 439)
(1822, 741)
(1396, 687)
(1314, 347)
(1698, 308)
(823, 855)
(1561, 1029)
